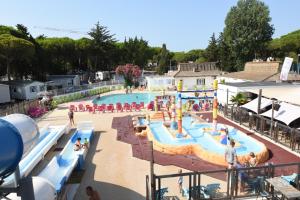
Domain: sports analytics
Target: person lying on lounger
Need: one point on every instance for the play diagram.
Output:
(85, 144)
(78, 145)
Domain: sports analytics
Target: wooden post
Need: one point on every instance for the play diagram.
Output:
(259, 101)
(152, 178)
(272, 118)
(227, 95)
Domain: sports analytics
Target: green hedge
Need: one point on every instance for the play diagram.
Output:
(79, 95)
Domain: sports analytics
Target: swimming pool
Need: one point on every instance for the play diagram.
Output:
(204, 144)
(126, 98)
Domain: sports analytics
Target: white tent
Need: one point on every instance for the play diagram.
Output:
(287, 113)
(252, 105)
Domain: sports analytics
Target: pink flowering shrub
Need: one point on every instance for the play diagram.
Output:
(130, 73)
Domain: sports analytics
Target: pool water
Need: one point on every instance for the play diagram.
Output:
(206, 140)
(125, 98)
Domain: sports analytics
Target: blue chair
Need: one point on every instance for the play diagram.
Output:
(160, 196)
(291, 179)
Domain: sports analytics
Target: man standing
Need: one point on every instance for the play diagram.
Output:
(230, 155)
(71, 117)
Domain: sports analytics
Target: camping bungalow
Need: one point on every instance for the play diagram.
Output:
(5, 95)
(25, 90)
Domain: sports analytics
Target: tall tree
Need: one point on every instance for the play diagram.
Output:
(12, 48)
(247, 30)
(136, 51)
(163, 60)
(211, 51)
(225, 59)
(102, 47)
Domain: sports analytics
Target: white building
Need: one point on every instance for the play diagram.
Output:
(64, 81)
(25, 90)
(196, 75)
(5, 94)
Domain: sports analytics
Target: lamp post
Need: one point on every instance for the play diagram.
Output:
(298, 66)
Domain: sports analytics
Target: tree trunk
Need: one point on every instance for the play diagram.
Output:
(8, 70)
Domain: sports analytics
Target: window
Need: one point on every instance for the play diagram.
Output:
(33, 89)
(201, 81)
(42, 88)
(173, 81)
(14, 89)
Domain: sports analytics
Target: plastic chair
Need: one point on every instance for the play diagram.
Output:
(162, 193)
(291, 179)
(119, 107)
(80, 107)
(142, 104)
(110, 108)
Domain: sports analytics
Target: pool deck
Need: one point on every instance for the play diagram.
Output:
(116, 164)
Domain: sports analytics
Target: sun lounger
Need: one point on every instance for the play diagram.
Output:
(142, 104)
(150, 106)
(133, 105)
(137, 107)
(73, 108)
(110, 108)
(81, 107)
(196, 107)
(119, 107)
(127, 107)
(100, 109)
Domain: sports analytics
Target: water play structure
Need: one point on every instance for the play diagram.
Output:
(208, 141)
(23, 146)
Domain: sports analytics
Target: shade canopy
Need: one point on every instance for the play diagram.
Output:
(290, 94)
(252, 105)
(286, 113)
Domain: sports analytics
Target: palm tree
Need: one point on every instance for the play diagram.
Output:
(239, 99)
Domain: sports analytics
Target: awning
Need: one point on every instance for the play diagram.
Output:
(287, 113)
(252, 105)
(289, 94)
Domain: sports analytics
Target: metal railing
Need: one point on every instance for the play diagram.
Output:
(72, 89)
(230, 184)
(277, 131)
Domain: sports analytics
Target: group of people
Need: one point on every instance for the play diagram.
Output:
(78, 145)
(232, 160)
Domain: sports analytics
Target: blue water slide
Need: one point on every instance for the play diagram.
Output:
(61, 166)
(48, 137)
(11, 148)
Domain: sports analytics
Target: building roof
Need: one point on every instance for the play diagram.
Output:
(261, 76)
(195, 70)
(261, 71)
(49, 77)
(260, 85)
(20, 82)
(252, 105)
(197, 74)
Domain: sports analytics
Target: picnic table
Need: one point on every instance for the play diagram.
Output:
(283, 187)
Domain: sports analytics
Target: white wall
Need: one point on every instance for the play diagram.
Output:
(159, 83)
(230, 80)
(222, 93)
(32, 95)
(191, 82)
(5, 94)
(67, 82)
(17, 92)
(76, 81)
